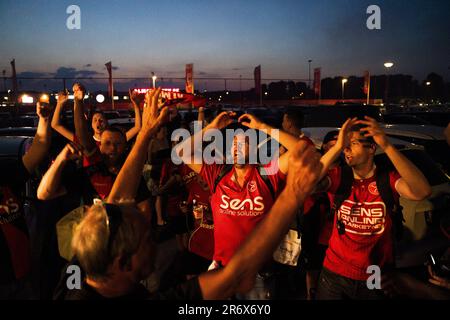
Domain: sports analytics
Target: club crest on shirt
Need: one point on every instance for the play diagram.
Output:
(373, 189)
(251, 186)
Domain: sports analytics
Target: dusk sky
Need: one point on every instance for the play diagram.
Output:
(225, 38)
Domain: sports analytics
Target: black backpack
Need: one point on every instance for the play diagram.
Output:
(384, 188)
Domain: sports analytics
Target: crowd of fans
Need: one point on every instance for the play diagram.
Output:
(236, 228)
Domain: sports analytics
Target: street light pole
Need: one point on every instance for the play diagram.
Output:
(309, 72)
(240, 88)
(4, 80)
(387, 65)
(154, 77)
(344, 80)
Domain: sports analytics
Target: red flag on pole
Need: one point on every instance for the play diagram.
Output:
(257, 76)
(317, 82)
(110, 85)
(190, 78)
(367, 85)
(14, 78)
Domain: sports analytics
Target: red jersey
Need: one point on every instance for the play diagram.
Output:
(175, 194)
(368, 238)
(101, 179)
(15, 249)
(196, 187)
(236, 211)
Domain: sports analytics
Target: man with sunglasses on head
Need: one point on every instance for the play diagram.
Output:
(115, 251)
(364, 224)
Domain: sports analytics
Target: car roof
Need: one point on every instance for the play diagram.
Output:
(12, 146)
(316, 134)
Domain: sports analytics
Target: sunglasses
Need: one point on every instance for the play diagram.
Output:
(113, 222)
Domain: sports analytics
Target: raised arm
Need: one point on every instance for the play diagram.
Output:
(51, 185)
(412, 185)
(287, 140)
(239, 274)
(127, 182)
(201, 114)
(41, 142)
(137, 116)
(335, 151)
(220, 122)
(56, 120)
(81, 125)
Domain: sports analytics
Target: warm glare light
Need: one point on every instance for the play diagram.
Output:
(27, 99)
(344, 80)
(428, 83)
(388, 64)
(100, 98)
(116, 98)
(44, 98)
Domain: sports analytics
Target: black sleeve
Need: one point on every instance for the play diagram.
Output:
(142, 193)
(19, 175)
(189, 290)
(72, 177)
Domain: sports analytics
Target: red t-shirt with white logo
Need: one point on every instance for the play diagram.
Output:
(236, 211)
(368, 228)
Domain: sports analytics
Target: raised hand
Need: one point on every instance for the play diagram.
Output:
(373, 130)
(250, 121)
(133, 96)
(70, 152)
(344, 134)
(222, 120)
(436, 280)
(78, 91)
(151, 117)
(62, 97)
(44, 111)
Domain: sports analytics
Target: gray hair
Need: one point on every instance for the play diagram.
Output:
(91, 236)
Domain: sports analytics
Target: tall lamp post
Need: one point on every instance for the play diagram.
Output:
(154, 77)
(388, 65)
(309, 72)
(4, 80)
(344, 81)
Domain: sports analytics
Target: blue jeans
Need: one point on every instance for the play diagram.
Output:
(335, 287)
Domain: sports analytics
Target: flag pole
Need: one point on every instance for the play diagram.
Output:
(112, 89)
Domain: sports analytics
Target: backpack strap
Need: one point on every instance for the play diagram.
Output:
(344, 189)
(263, 173)
(225, 169)
(392, 206)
